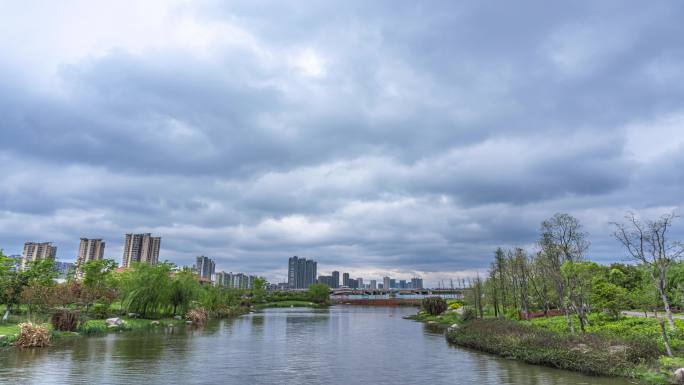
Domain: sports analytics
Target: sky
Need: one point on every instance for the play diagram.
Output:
(381, 138)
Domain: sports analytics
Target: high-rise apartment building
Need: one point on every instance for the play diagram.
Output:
(235, 281)
(301, 273)
(335, 280)
(205, 267)
(89, 250)
(373, 284)
(386, 283)
(416, 283)
(36, 251)
(143, 248)
(345, 279)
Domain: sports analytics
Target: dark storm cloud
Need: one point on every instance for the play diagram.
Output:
(374, 136)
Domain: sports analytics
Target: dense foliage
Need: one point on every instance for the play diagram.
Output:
(434, 305)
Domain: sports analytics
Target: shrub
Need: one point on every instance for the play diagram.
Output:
(100, 310)
(468, 315)
(65, 320)
(434, 305)
(33, 336)
(198, 316)
(454, 306)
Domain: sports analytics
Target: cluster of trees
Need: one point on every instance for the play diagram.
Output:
(148, 290)
(557, 277)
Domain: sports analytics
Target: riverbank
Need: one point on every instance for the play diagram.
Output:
(627, 347)
(289, 304)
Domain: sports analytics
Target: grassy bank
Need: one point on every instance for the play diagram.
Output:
(292, 303)
(448, 318)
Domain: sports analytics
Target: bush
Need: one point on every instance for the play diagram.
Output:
(33, 336)
(468, 315)
(198, 316)
(434, 305)
(65, 320)
(100, 310)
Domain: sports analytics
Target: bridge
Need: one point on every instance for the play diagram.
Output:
(456, 292)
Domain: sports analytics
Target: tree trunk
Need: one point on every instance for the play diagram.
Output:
(7, 313)
(666, 304)
(569, 319)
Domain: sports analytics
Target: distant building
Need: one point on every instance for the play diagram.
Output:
(205, 267)
(235, 280)
(393, 283)
(381, 286)
(301, 273)
(345, 279)
(143, 248)
(386, 283)
(335, 280)
(326, 279)
(89, 250)
(416, 283)
(352, 283)
(402, 284)
(64, 268)
(36, 251)
(373, 284)
(359, 283)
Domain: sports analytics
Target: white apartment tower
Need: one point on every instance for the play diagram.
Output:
(34, 251)
(143, 248)
(89, 250)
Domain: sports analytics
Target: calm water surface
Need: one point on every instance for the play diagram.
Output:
(340, 345)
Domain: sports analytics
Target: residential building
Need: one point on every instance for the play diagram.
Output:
(89, 250)
(142, 248)
(393, 283)
(205, 267)
(402, 284)
(301, 273)
(373, 284)
(345, 279)
(359, 283)
(416, 283)
(335, 280)
(36, 251)
(386, 283)
(326, 279)
(235, 280)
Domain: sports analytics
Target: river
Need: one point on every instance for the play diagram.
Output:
(341, 345)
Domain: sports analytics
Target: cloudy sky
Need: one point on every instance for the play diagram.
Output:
(383, 137)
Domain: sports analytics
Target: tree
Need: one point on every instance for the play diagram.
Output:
(562, 240)
(647, 243)
(98, 282)
(609, 297)
(145, 288)
(319, 293)
(184, 289)
(259, 289)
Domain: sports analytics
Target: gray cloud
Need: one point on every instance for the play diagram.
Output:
(383, 136)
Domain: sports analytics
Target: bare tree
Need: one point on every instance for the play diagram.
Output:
(646, 243)
(562, 240)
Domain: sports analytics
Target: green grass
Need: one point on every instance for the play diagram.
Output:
(447, 318)
(291, 303)
(7, 329)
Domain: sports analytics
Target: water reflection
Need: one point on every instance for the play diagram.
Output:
(341, 345)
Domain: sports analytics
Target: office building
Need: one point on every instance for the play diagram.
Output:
(416, 283)
(301, 273)
(205, 267)
(373, 284)
(359, 283)
(402, 284)
(142, 248)
(345, 279)
(36, 251)
(393, 283)
(89, 250)
(335, 280)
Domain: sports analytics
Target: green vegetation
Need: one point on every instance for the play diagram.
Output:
(555, 307)
(434, 305)
(294, 303)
